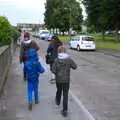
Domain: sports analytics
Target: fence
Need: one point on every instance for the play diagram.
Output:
(5, 62)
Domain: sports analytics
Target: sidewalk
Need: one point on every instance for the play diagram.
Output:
(14, 103)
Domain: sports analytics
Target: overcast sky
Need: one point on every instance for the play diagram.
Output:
(23, 11)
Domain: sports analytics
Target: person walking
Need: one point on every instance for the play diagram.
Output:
(26, 44)
(52, 51)
(33, 68)
(61, 68)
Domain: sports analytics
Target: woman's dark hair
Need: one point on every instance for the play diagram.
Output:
(55, 37)
(56, 40)
(26, 34)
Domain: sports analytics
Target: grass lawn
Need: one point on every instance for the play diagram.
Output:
(64, 38)
(109, 42)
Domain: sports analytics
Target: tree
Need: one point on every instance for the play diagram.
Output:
(95, 14)
(15, 32)
(111, 9)
(61, 13)
(103, 14)
(5, 31)
(49, 17)
(8, 33)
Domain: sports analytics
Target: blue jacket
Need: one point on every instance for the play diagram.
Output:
(32, 66)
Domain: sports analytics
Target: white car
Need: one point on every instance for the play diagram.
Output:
(82, 43)
(49, 38)
(44, 35)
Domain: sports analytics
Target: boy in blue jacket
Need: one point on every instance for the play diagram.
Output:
(33, 68)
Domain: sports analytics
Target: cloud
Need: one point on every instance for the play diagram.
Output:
(7, 2)
(23, 10)
(34, 5)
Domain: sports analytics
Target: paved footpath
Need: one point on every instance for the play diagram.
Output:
(13, 105)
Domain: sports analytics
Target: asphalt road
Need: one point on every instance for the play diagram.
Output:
(96, 82)
(95, 86)
(13, 104)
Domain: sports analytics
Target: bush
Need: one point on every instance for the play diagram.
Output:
(90, 29)
(5, 31)
(15, 34)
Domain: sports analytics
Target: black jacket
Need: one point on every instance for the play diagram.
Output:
(53, 50)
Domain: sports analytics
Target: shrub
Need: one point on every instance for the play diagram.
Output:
(5, 31)
(15, 34)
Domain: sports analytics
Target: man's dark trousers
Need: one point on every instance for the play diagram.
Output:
(62, 87)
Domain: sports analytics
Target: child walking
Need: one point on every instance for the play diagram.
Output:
(33, 68)
(61, 68)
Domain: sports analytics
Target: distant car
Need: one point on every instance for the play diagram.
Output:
(118, 31)
(49, 37)
(73, 32)
(82, 43)
(110, 32)
(44, 35)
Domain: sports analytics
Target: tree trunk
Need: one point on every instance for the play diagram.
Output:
(103, 35)
(117, 36)
(63, 33)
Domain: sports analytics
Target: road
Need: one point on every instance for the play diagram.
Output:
(13, 104)
(94, 94)
(96, 82)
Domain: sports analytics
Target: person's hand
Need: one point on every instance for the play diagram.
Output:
(38, 53)
(20, 62)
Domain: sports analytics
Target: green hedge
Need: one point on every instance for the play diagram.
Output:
(7, 32)
(15, 34)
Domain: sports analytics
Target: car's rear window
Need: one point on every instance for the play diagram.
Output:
(87, 39)
(45, 32)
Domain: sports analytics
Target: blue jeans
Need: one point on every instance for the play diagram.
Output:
(33, 87)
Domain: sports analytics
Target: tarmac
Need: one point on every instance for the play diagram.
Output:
(13, 105)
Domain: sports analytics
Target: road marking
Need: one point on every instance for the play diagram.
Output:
(90, 117)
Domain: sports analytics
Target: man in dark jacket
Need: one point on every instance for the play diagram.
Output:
(61, 68)
(53, 52)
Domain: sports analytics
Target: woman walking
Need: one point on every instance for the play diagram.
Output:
(52, 51)
(25, 45)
